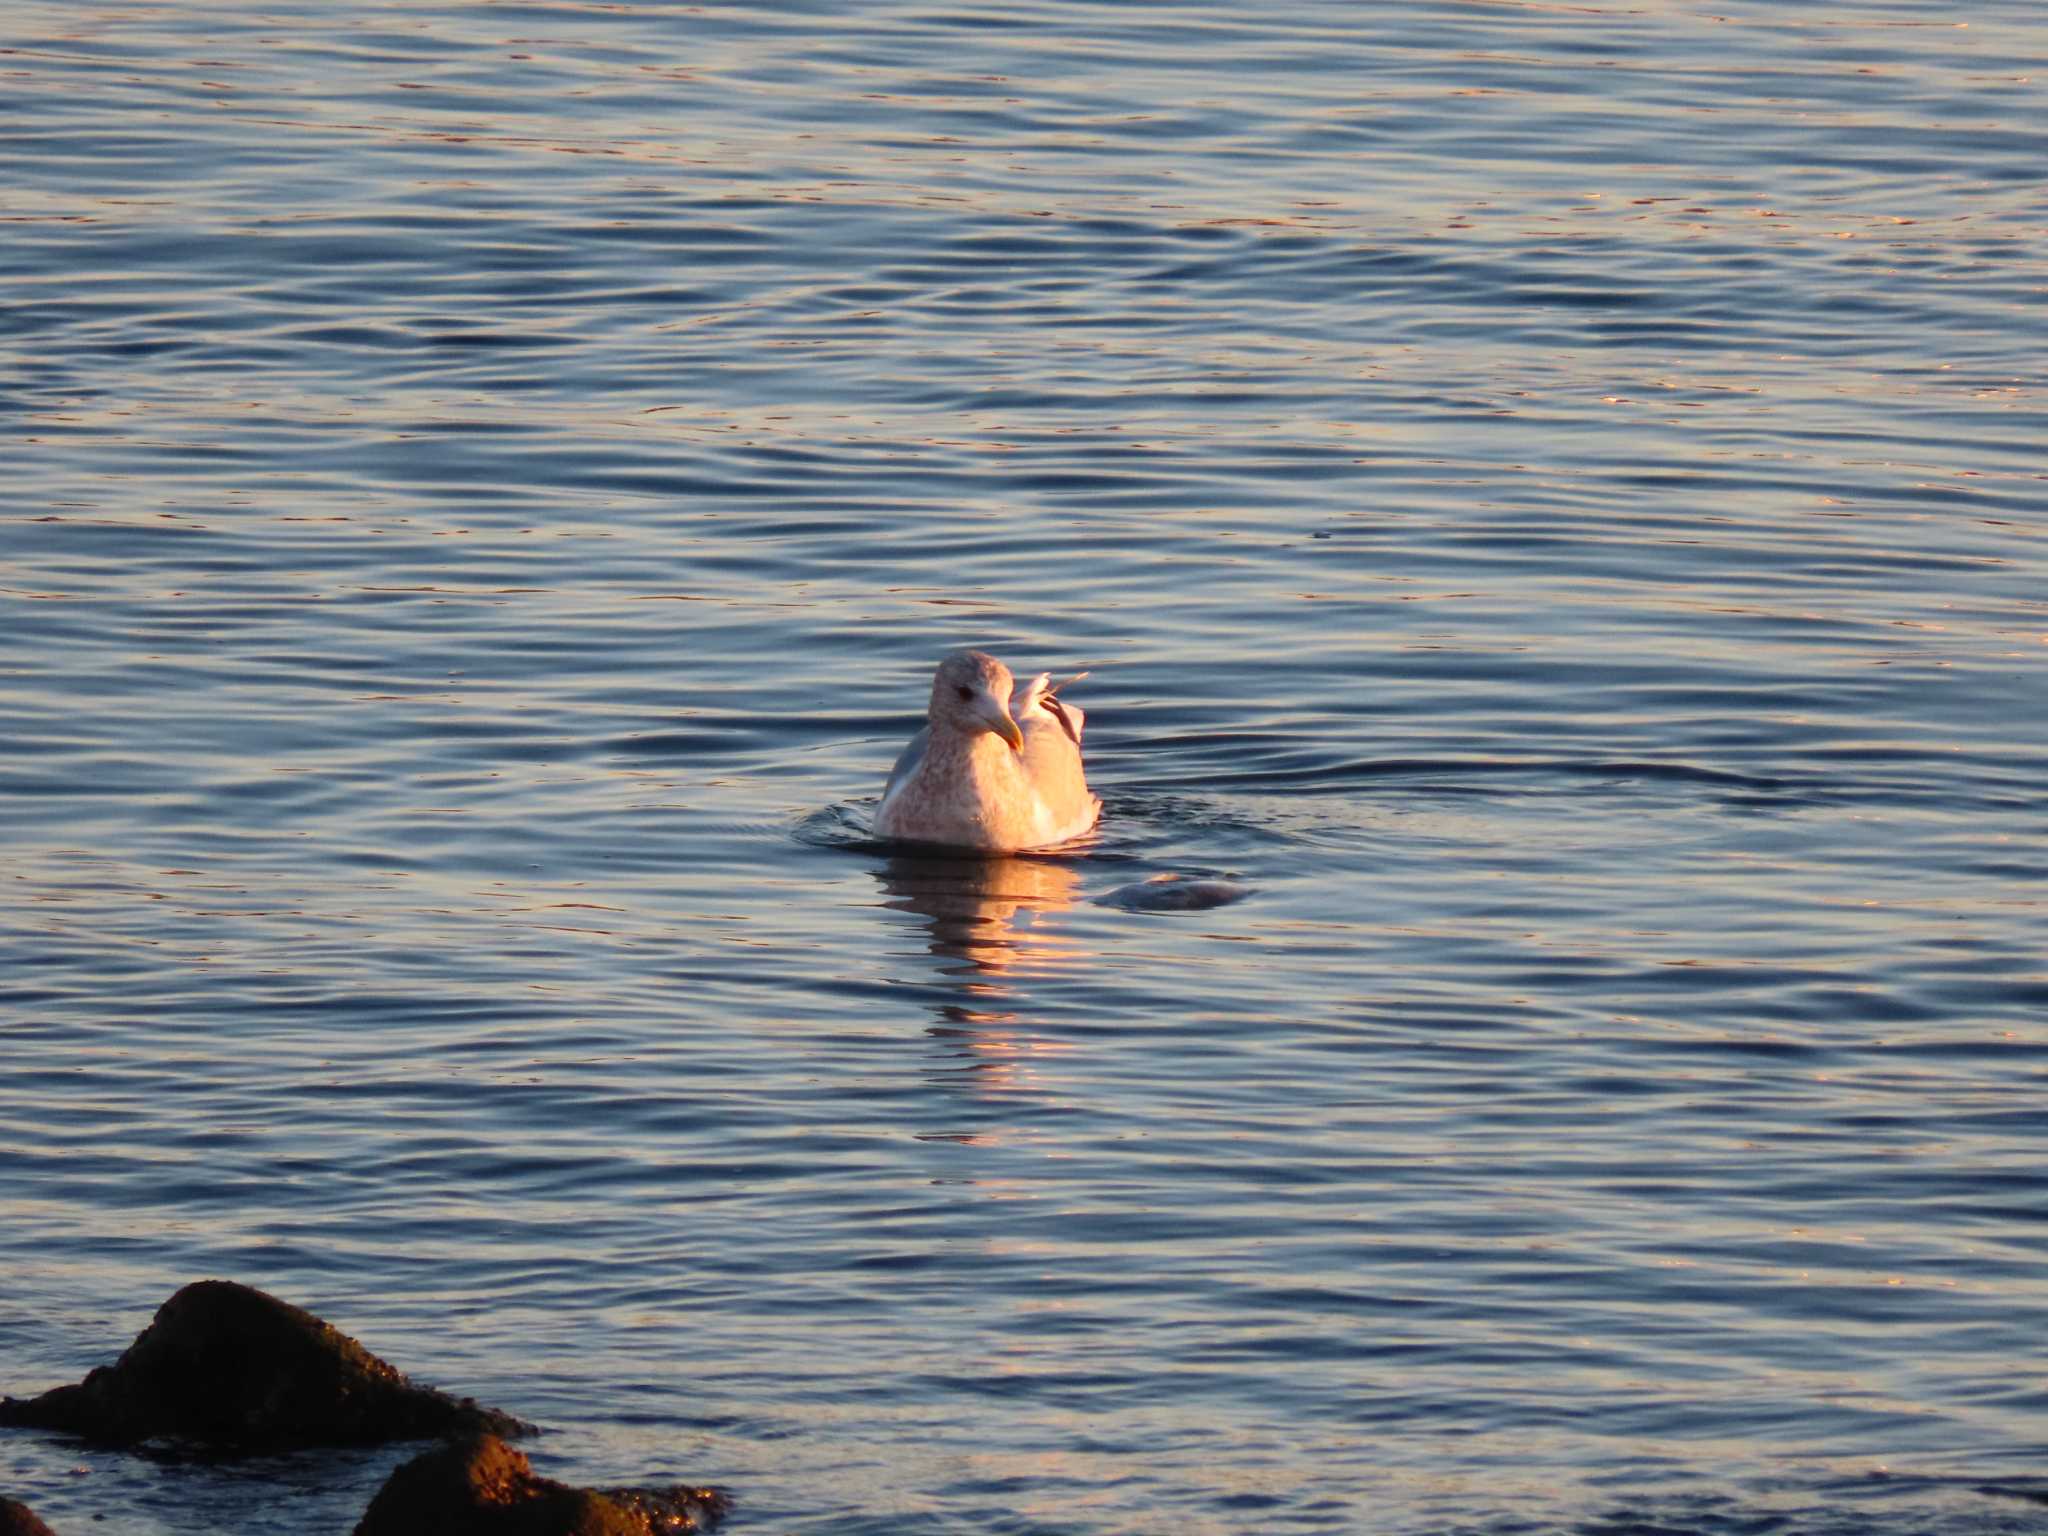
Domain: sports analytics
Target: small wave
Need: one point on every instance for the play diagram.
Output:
(1373, 770)
(839, 826)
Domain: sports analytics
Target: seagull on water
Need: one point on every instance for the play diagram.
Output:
(985, 776)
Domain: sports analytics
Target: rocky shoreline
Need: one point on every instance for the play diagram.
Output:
(233, 1369)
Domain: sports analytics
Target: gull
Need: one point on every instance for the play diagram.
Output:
(980, 776)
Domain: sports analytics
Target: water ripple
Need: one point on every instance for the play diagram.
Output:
(1551, 502)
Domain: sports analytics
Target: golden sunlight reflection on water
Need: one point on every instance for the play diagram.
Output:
(989, 922)
(988, 913)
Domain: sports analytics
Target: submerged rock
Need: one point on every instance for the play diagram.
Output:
(1174, 893)
(17, 1519)
(480, 1486)
(228, 1365)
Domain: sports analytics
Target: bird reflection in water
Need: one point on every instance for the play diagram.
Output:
(986, 924)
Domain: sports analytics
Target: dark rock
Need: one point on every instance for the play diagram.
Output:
(226, 1365)
(17, 1519)
(480, 1486)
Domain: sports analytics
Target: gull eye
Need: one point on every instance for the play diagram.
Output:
(966, 695)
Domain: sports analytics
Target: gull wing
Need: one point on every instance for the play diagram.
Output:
(1043, 693)
(907, 761)
(1052, 758)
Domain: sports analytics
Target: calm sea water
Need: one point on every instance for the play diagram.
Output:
(1554, 500)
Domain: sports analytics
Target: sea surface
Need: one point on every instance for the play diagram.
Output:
(1553, 500)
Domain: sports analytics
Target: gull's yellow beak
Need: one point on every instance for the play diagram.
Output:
(989, 709)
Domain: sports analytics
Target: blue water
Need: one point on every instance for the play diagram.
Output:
(1555, 503)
